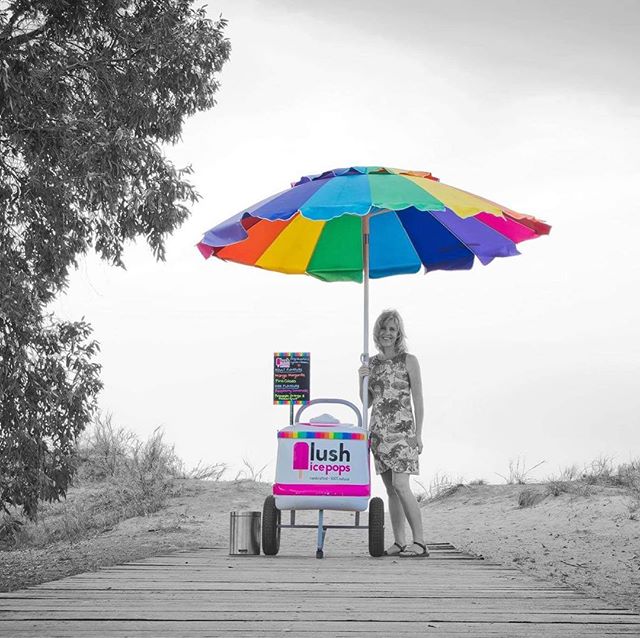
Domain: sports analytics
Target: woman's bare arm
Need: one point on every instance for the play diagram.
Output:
(362, 372)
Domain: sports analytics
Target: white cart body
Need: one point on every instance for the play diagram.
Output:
(322, 466)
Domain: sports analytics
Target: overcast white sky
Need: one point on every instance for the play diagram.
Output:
(533, 105)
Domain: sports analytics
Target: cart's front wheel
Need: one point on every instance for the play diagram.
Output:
(376, 527)
(270, 527)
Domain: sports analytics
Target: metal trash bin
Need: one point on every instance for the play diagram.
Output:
(244, 535)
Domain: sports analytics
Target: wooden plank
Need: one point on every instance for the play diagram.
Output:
(371, 609)
(225, 600)
(302, 579)
(402, 588)
(253, 628)
(233, 594)
(266, 600)
(348, 614)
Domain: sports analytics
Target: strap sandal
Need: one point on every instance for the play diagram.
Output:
(395, 549)
(411, 552)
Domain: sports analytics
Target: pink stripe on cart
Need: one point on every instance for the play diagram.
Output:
(293, 489)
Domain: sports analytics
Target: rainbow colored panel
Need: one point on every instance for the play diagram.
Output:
(353, 436)
(315, 227)
(289, 354)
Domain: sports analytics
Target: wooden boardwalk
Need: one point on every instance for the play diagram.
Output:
(208, 593)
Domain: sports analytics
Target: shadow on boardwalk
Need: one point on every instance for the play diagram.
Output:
(208, 593)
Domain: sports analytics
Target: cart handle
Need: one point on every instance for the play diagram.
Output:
(339, 401)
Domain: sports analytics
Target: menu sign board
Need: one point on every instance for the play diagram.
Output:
(291, 377)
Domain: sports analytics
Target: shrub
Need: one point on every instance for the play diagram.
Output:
(529, 497)
(201, 471)
(580, 488)
(148, 474)
(118, 477)
(140, 472)
(571, 473)
(628, 475)
(556, 487)
(10, 526)
(102, 452)
(600, 472)
(518, 471)
(250, 472)
(440, 486)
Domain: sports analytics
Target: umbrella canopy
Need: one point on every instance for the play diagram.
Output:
(349, 224)
(416, 221)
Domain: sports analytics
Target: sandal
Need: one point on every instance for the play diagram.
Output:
(408, 552)
(392, 552)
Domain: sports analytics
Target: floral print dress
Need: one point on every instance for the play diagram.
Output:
(393, 432)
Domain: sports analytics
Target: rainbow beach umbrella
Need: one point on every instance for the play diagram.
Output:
(361, 222)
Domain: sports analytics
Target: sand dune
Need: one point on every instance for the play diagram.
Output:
(586, 539)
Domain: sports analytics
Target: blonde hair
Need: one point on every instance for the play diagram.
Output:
(400, 344)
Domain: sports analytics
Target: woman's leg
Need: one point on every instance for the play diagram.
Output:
(410, 507)
(396, 511)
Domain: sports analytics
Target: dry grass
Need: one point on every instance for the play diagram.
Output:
(440, 486)
(249, 472)
(118, 477)
(528, 497)
(518, 473)
(197, 516)
(570, 480)
(201, 471)
(602, 471)
(556, 487)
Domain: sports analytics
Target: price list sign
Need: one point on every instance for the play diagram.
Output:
(291, 377)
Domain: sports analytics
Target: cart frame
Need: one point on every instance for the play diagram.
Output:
(272, 524)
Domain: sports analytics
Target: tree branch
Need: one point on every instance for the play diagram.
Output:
(17, 13)
(7, 43)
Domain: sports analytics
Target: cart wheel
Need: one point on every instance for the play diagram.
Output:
(270, 527)
(376, 527)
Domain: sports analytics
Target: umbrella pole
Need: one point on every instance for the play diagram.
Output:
(365, 350)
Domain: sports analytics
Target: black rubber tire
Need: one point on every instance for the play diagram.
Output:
(376, 527)
(270, 527)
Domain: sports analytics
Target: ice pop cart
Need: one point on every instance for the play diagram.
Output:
(322, 465)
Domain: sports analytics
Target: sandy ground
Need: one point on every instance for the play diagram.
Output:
(198, 517)
(587, 542)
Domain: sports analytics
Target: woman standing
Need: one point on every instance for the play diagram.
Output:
(396, 438)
